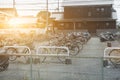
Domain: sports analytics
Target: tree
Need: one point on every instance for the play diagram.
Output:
(44, 20)
(43, 14)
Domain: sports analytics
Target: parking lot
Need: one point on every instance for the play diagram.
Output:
(87, 65)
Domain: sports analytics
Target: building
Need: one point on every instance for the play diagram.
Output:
(90, 15)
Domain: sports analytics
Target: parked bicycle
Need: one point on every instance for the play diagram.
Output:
(74, 41)
(115, 52)
(53, 52)
(4, 60)
(12, 51)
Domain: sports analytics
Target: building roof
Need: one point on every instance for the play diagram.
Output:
(86, 2)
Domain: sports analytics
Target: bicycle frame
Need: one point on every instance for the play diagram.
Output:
(17, 47)
(50, 53)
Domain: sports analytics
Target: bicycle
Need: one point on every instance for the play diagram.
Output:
(73, 46)
(4, 62)
(114, 52)
(53, 51)
(11, 50)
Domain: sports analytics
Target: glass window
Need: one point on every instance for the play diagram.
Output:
(61, 24)
(102, 9)
(107, 24)
(89, 13)
(98, 9)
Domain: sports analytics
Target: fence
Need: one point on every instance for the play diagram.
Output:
(83, 67)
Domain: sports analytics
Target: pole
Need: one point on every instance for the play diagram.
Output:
(47, 14)
(58, 5)
(14, 4)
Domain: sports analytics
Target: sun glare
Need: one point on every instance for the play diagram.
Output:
(15, 22)
(21, 22)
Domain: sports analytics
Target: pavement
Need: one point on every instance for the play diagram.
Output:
(87, 65)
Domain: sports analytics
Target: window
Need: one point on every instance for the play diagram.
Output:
(98, 9)
(78, 25)
(61, 24)
(107, 24)
(89, 13)
(102, 9)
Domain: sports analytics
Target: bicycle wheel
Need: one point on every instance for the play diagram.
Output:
(11, 51)
(114, 52)
(80, 45)
(83, 40)
(4, 62)
(26, 51)
(4, 66)
(43, 51)
(60, 57)
(74, 49)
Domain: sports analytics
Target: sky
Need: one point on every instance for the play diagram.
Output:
(116, 6)
(35, 6)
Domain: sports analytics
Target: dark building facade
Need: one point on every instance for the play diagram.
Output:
(87, 15)
(88, 11)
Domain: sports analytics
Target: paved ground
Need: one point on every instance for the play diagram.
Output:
(85, 66)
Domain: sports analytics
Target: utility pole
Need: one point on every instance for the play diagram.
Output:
(47, 15)
(14, 4)
(58, 5)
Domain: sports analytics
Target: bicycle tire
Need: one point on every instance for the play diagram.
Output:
(43, 51)
(3, 59)
(4, 62)
(61, 51)
(80, 45)
(83, 41)
(74, 49)
(14, 50)
(25, 51)
(4, 67)
(114, 52)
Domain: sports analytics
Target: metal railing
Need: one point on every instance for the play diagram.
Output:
(82, 67)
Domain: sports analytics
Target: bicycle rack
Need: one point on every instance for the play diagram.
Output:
(52, 47)
(106, 53)
(107, 57)
(18, 47)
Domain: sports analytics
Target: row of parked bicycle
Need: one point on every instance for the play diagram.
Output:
(74, 41)
(109, 36)
(112, 53)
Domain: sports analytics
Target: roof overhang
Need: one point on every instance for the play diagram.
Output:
(86, 20)
(86, 2)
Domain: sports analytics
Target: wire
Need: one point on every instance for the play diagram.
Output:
(30, 3)
(35, 9)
